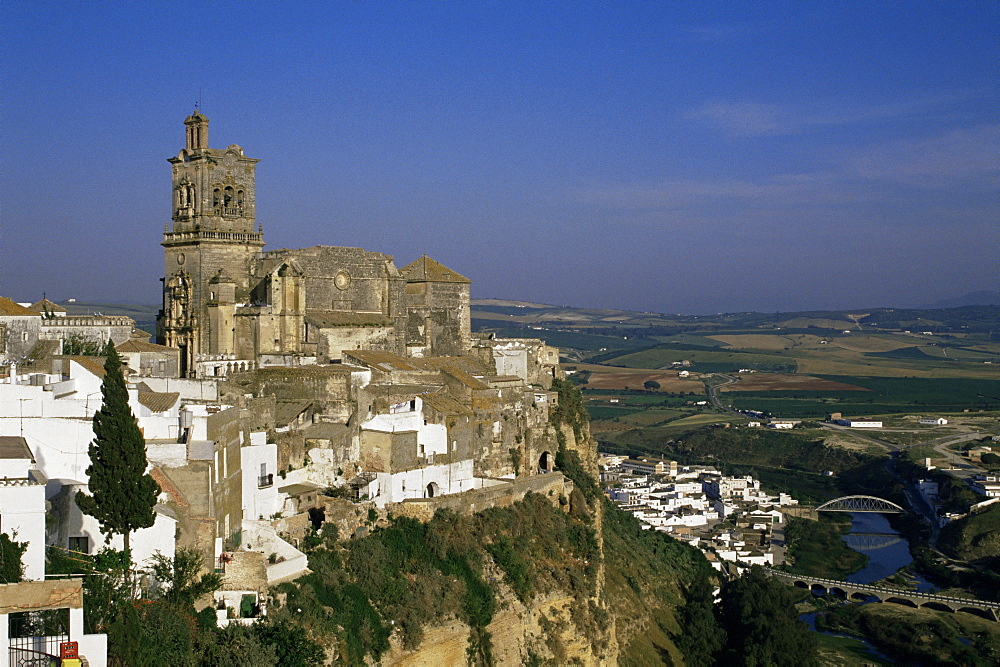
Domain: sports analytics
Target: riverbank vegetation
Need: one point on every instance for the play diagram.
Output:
(816, 548)
(919, 636)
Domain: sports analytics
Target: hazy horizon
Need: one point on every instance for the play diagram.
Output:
(992, 299)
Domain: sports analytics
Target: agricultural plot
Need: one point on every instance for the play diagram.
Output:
(620, 379)
(690, 339)
(873, 396)
(788, 382)
(879, 343)
(769, 342)
(705, 361)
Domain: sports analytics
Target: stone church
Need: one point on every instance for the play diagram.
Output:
(225, 297)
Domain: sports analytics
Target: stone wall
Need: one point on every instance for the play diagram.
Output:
(18, 334)
(227, 492)
(332, 341)
(38, 595)
(365, 284)
(320, 384)
(97, 328)
(438, 317)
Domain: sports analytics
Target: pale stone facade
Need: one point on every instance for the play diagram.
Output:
(224, 297)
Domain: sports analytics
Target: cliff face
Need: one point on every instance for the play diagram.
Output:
(544, 630)
(628, 617)
(560, 577)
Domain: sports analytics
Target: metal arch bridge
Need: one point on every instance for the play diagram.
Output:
(861, 504)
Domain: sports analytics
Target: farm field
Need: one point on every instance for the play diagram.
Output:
(890, 364)
(791, 354)
(613, 378)
(787, 382)
(874, 396)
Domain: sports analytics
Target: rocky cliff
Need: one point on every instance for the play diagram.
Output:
(554, 578)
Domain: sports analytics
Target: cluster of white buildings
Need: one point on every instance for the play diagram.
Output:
(208, 469)
(729, 518)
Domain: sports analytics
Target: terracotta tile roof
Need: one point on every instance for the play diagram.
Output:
(46, 306)
(384, 361)
(445, 404)
(142, 346)
(9, 307)
(286, 411)
(14, 447)
(467, 379)
(326, 431)
(460, 368)
(158, 401)
(426, 270)
(92, 365)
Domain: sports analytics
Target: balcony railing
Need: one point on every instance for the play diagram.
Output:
(265, 481)
(195, 235)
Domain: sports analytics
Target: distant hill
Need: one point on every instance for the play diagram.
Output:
(594, 329)
(981, 298)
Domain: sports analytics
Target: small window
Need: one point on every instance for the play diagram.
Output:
(80, 544)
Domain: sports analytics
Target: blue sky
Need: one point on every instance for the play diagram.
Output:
(685, 157)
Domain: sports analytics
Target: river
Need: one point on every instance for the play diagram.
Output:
(887, 550)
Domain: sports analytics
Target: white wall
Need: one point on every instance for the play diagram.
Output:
(59, 444)
(511, 362)
(449, 478)
(259, 502)
(202, 390)
(86, 382)
(433, 437)
(22, 517)
(144, 542)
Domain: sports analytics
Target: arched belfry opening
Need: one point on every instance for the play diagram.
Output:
(197, 131)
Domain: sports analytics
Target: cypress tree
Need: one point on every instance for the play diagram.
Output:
(123, 494)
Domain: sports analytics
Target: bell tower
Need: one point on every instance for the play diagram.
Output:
(212, 228)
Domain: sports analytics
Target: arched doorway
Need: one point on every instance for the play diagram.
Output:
(432, 490)
(545, 462)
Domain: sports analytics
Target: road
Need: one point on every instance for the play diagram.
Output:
(862, 435)
(960, 467)
(713, 397)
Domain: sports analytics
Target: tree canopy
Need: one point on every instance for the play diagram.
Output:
(11, 566)
(762, 625)
(123, 495)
